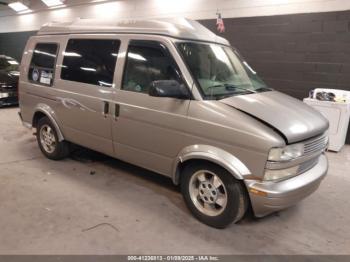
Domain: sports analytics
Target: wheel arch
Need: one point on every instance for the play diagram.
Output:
(211, 154)
(43, 110)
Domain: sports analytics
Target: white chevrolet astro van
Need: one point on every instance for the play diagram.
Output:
(170, 96)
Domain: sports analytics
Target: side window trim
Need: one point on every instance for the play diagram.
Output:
(39, 67)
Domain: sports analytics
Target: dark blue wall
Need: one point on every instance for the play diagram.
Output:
(12, 44)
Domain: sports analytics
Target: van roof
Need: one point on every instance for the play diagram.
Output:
(175, 27)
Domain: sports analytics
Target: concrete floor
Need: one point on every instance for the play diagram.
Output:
(49, 207)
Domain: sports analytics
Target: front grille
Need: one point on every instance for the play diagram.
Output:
(317, 144)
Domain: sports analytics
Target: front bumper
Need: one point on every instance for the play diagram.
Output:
(268, 197)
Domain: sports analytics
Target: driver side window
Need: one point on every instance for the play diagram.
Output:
(148, 61)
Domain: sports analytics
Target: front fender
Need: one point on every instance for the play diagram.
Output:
(213, 154)
(50, 113)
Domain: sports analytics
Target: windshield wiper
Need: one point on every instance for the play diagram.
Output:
(230, 87)
(257, 90)
(263, 89)
(233, 87)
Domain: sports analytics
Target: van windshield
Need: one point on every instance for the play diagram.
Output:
(219, 71)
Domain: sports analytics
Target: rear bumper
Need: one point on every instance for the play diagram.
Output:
(268, 197)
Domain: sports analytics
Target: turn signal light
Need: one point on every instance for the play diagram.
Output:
(258, 192)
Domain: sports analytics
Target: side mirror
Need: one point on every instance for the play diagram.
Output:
(168, 88)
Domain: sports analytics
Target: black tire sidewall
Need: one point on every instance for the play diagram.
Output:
(234, 191)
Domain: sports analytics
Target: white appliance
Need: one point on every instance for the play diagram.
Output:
(337, 113)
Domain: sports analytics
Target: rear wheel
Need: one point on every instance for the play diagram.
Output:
(48, 140)
(213, 195)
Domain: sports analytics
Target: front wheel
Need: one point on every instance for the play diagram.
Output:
(213, 195)
(48, 141)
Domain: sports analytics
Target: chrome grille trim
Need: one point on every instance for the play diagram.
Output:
(316, 144)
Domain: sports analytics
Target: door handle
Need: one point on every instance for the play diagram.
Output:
(116, 111)
(105, 108)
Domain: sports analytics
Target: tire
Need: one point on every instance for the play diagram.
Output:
(46, 133)
(204, 186)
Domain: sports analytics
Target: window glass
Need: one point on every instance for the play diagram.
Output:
(219, 71)
(148, 61)
(90, 61)
(42, 66)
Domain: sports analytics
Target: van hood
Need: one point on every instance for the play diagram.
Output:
(291, 117)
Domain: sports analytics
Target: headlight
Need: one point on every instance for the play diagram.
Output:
(273, 175)
(286, 153)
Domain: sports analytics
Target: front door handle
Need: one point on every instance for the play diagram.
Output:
(116, 111)
(105, 108)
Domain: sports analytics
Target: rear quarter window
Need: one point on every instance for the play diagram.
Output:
(43, 63)
(90, 61)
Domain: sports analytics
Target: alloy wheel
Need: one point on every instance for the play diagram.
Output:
(208, 193)
(47, 139)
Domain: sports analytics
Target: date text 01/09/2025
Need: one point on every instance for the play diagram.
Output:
(173, 258)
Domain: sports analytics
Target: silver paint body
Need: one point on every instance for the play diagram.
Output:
(162, 133)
